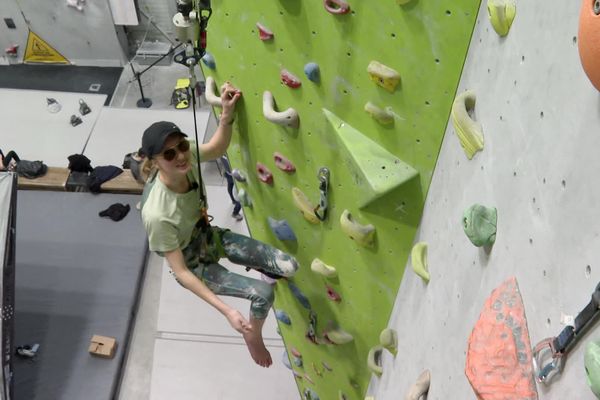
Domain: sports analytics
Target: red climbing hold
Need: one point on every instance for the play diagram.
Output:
(264, 174)
(499, 358)
(332, 294)
(336, 6)
(264, 33)
(290, 79)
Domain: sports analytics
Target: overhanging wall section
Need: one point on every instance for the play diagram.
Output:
(426, 43)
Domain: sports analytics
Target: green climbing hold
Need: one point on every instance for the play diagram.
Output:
(592, 366)
(479, 223)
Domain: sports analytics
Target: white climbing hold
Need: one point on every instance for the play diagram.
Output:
(211, 89)
(288, 117)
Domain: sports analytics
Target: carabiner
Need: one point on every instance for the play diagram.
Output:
(547, 362)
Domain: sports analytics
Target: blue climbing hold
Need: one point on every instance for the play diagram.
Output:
(282, 229)
(299, 296)
(312, 72)
(209, 60)
(283, 317)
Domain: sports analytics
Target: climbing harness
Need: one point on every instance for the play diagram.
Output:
(321, 209)
(550, 354)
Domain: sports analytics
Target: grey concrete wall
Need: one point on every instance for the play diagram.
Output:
(85, 38)
(540, 117)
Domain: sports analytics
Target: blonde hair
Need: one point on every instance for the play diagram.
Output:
(148, 168)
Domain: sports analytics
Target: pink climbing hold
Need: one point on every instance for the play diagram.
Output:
(295, 352)
(290, 79)
(337, 6)
(264, 174)
(264, 33)
(283, 163)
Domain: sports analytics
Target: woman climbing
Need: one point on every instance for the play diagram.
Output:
(178, 228)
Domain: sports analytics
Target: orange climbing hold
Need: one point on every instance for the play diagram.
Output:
(499, 359)
(589, 47)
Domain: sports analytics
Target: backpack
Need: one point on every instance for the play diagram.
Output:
(31, 169)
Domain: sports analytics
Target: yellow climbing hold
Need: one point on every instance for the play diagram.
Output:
(469, 131)
(501, 13)
(339, 336)
(319, 267)
(388, 338)
(384, 117)
(418, 257)
(304, 205)
(361, 234)
(384, 76)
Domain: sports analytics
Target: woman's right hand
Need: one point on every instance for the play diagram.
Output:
(238, 322)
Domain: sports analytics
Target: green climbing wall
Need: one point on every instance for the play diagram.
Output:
(426, 42)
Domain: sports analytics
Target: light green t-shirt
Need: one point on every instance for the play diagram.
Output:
(169, 217)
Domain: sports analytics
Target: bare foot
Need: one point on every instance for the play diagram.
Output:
(257, 349)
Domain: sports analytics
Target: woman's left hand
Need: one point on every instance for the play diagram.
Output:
(229, 97)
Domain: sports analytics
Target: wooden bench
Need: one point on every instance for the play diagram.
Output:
(124, 183)
(55, 179)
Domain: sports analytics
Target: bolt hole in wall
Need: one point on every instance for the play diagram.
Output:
(548, 322)
(588, 271)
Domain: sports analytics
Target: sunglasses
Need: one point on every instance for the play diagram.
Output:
(170, 153)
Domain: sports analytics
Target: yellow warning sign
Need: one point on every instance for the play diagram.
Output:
(38, 51)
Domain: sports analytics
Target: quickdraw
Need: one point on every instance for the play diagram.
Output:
(321, 210)
(550, 354)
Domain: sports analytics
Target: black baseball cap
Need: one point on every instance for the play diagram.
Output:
(155, 136)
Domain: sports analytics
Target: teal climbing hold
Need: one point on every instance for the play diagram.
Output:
(479, 223)
(380, 171)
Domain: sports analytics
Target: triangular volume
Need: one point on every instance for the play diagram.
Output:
(38, 51)
(382, 171)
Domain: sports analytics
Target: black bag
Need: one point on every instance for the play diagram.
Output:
(130, 162)
(31, 169)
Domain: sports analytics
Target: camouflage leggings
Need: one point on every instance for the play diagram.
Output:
(242, 250)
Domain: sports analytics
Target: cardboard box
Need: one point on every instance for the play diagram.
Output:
(103, 346)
